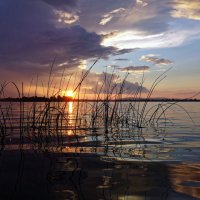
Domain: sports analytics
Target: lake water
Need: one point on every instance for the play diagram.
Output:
(79, 155)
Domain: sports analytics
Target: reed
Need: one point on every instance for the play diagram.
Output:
(49, 122)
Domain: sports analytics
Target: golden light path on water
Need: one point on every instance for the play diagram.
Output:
(70, 107)
(70, 115)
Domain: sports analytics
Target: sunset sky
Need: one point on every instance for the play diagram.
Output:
(129, 35)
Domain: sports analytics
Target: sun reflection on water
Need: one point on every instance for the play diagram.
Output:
(69, 132)
(70, 107)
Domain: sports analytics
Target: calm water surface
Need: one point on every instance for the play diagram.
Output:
(121, 162)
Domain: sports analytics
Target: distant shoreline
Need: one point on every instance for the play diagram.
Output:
(68, 99)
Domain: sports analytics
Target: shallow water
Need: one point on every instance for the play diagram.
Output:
(122, 162)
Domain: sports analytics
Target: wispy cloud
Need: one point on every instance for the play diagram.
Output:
(156, 60)
(173, 38)
(122, 59)
(134, 69)
(108, 17)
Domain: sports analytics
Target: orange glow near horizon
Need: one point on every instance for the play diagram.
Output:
(68, 93)
(177, 94)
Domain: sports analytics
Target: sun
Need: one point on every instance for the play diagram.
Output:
(68, 93)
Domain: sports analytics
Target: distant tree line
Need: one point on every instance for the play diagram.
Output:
(66, 99)
(37, 99)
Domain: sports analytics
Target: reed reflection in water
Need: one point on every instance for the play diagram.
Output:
(86, 161)
(86, 176)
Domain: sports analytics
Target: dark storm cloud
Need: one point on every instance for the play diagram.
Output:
(30, 38)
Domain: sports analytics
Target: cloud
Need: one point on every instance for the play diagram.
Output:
(108, 17)
(186, 9)
(141, 3)
(113, 80)
(94, 81)
(105, 20)
(109, 35)
(124, 16)
(173, 38)
(112, 66)
(66, 17)
(122, 59)
(134, 69)
(33, 32)
(153, 59)
(62, 3)
(142, 24)
(30, 39)
(83, 64)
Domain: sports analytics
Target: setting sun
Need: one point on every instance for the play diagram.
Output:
(68, 93)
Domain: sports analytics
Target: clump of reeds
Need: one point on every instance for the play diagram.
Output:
(48, 122)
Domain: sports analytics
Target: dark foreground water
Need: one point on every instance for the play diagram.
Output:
(97, 163)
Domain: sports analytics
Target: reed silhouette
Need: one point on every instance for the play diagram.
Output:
(105, 141)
